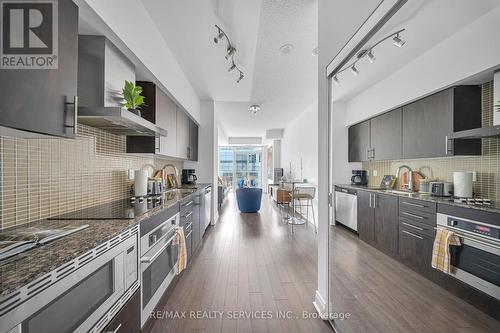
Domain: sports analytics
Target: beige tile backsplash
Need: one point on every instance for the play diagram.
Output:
(46, 177)
(487, 166)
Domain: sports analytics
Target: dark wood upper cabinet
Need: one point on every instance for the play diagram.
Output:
(182, 133)
(428, 121)
(36, 100)
(385, 136)
(359, 141)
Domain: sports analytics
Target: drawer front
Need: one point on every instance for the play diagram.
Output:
(417, 205)
(415, 249)
(186, 205)
(417, 216)
(418, 227)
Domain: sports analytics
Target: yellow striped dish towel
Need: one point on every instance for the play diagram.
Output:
(182, 256)
(441, 249)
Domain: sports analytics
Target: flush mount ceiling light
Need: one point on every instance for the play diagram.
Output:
(368, 53)
(286, 49)
(254, 109)
(230, 52)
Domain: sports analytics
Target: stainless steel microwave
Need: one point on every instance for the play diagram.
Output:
(80, 296)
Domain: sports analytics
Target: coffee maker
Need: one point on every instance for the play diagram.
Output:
(188, 177)
(359, 177)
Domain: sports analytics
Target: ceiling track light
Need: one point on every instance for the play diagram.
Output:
(354, 70)
(240, 78)
(371, 57)
(231, 51)
(368, 53)
(397, 41)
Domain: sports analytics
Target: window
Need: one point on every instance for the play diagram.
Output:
(236, 163)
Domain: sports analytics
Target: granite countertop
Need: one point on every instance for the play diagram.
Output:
(493, 208)
(26, 267)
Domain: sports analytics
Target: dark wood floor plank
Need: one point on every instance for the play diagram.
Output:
(249, 263)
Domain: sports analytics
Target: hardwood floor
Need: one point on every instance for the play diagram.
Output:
(383, 295)
(250, 263)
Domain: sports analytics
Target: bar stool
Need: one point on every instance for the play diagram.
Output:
(283, 199)
(305, 196)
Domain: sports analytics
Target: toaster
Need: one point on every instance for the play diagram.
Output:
(441, 189)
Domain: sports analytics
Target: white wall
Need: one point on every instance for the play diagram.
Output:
(466, 53)
(300, 142)
(131, 22)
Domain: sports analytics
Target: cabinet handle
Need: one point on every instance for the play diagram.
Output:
(370, 204)
(159, 144)
(75, 114)
(412, 234)
(188, 152)
(448, 147)
(187, 215)
(187, 204)
(412, 226)
(374, 201)
(412, 204)
(373, 153)
(413, 215)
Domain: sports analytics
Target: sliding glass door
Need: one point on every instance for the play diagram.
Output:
(241, 163)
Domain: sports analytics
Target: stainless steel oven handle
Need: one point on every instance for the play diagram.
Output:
(147, 260)
(460, 233)
(412, 234)
(413, 215)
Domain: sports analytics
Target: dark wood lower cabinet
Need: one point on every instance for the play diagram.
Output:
(129, 318)
(386, 223)
(415, 249)
(366, 229)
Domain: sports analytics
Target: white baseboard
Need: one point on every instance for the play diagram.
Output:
(320, 305)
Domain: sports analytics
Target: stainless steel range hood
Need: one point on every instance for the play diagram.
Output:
(102, 72)
(118, 121)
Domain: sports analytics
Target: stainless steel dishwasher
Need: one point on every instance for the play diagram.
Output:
(346, 207)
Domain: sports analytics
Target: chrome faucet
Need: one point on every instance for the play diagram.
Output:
(409, 186)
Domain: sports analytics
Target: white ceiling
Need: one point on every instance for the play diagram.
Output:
(284, 85)
(427, 23)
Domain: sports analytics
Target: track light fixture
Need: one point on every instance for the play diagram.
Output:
(354, 70)
(230, 51)
(371, 57)
(240, 78)
(397, 41)
(219, 37)
(368, 53)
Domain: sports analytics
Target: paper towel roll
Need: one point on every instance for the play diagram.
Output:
(462, 184)
(140, 183)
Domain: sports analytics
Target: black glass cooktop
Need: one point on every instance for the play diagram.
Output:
(115, 210)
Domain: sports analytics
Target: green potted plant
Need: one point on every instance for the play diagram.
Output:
(133, 98)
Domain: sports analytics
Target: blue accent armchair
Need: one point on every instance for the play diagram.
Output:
(249, 199)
